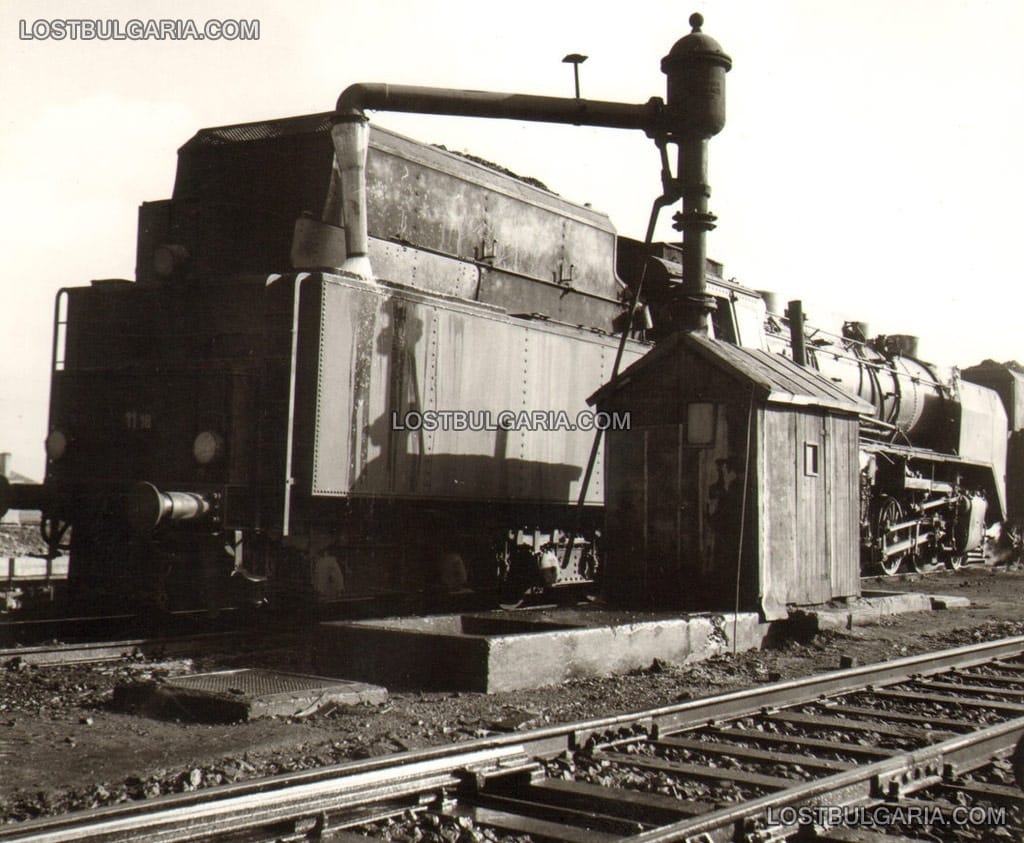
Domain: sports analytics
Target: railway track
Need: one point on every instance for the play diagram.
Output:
(29, 631)
(922, 743)
(87, 652)
(97, 638)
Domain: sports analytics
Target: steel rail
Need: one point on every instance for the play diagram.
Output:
(263, 803)
(890, 778)
(24, 632)
(306, 799)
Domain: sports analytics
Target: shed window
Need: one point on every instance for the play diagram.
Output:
(811, 459)
(700, 424)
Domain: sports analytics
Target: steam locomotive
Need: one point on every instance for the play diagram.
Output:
(933, 456)
(354, 368)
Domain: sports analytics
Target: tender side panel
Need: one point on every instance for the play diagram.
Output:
(386, 353)
(480, 365)
(559, 373)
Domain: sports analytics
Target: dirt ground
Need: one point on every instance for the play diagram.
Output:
(63, 745)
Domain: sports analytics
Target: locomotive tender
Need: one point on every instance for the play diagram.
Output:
(260, 420)
(313, 284)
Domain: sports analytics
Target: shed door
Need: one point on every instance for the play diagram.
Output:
(813, 510)
(797, 558)
(844, 499)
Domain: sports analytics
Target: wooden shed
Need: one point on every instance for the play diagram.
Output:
(739, 474)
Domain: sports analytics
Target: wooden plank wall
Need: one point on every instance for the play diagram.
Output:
(845, 482)
(811, 541)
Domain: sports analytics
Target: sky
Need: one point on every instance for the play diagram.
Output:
(868, 165)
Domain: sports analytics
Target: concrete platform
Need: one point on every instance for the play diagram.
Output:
(506, 651)
(231, 695)
(874, 606)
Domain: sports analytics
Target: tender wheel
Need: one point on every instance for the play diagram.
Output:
(889, 513)
(516, 593)
(513, 582)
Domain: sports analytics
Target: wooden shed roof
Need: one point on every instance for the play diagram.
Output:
(775, 379)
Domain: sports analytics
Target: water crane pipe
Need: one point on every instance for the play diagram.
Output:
(454, 102)
(350, 134)
(693, 111)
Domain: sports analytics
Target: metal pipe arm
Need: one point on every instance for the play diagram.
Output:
(649, 117)
(694, 111)
(351, 137)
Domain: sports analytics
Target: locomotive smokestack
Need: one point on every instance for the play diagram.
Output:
(795, 314)
(696, 68)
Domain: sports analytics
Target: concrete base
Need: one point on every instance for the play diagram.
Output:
(231, 695)
(873, 606)
(504, 651)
